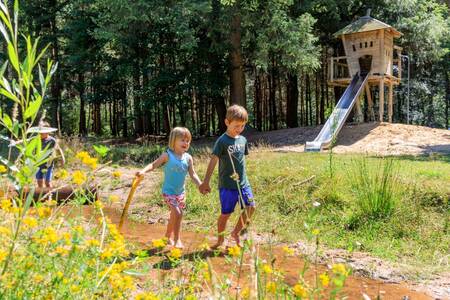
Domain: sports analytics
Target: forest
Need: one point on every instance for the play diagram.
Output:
(129, 68)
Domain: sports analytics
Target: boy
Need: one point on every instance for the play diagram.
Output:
(230, 150)
(48, 142)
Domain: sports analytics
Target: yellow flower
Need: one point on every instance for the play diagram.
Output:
(190, 297)
(175, 253)
(3, 255)
(245, 293)
(6, 204)
(82, 154)
(288, 251)
(38, 278)
(78, 229)
(267, 269)
(61, 251)
(98, 204)
(316, 231)
(61, 174)
(114, 198)
(234, 251)
(271, 287)
(44, 212)
(5, 231)
(106, 254)
(176, 290)
(92, 243)
(300, 291)
(324, 279)
(116, 174)
(3, 169)
(147, 296)
(78, 177)
(59, 274)
(204, 246)
(159, 243)
(74, 288)
(30, 222)
(90, 161)
(339, 269)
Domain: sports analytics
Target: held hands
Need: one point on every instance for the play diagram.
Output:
(204, 188)
(139, 174)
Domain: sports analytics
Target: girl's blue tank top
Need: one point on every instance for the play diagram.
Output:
(175, 171)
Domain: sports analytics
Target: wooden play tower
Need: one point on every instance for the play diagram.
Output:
(369, 48)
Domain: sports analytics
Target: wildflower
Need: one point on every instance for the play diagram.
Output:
(3, 169)
(51, 203)
(147, 296)
(30, 222)
(38, 278)
(114, 198)
(175, 253)
(91, 162)
(61, 251)
(288, 251)
(204, 246)
(5, 231)
(234, 251)
(92, 243)
(74, 288)
(44, 212)
(61, 174)
(176, 290)
(82, 155)
(5, 204)
(78, 229)
(159, 243)
(3, 255)
(98, 204)
(59, 274)
(316, 204)
(267, 269)
(106, 254)
(116, 174)
(271, 287)
(324, 279)
(339, 269)
(300, 291)
(245, 293)
(315, 231)
(78, 177)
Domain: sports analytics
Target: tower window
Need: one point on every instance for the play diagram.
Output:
(365, 44)
(354, 48)
(371, 43)
(360, 45)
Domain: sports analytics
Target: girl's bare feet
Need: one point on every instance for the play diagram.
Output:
(179, 244)
(170, 242)
(219, 243)
(236, 238)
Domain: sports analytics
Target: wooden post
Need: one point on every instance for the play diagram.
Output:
(331, 69)
(390, 104)
(370, 103)
(358, 112)
(381, 86)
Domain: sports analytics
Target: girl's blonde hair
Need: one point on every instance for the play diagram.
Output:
(176, 133)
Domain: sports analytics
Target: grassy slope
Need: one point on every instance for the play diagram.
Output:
(417, 233)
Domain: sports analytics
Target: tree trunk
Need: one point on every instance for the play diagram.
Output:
(137, 100)
(237, 76)
(447, 96)
(82, 120)
(292, 101)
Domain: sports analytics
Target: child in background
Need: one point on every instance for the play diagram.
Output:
(177, 163)
(230, 150)
(45, 172)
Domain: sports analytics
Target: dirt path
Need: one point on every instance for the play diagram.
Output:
(355, 286)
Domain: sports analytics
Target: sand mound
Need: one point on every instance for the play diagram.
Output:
(372, 138)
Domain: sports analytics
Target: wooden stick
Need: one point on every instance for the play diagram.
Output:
(134, 185)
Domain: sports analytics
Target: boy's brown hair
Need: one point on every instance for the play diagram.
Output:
(176, 133)
(236, 113)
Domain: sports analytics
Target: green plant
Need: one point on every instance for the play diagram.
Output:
(375, 188)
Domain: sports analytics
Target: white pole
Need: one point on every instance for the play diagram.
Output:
(407, 99)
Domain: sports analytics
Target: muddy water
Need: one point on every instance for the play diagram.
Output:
(354, 286)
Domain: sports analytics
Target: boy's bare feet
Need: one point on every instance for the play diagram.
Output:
(219, 243)
(179, 244)
(235, 236)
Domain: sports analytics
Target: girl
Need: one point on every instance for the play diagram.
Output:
(177, 163)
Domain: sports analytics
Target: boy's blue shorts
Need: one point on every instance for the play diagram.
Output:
(45, 173)
(230, 197)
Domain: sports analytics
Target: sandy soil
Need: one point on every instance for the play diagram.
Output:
(371, 138)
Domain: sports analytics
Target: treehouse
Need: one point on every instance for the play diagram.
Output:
(369, 49)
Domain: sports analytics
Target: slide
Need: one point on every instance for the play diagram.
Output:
(339, 114)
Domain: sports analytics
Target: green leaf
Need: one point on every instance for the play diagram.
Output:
(9, 95)
(33, 108)
(3, 31)
(13, 57)
(7, 121)
(101, 150)
(3, 69)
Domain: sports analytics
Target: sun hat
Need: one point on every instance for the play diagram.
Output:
(42, 128)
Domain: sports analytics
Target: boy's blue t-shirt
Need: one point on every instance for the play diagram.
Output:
(225, 148)
(175, 171)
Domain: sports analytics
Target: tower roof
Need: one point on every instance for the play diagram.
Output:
(367, 23)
